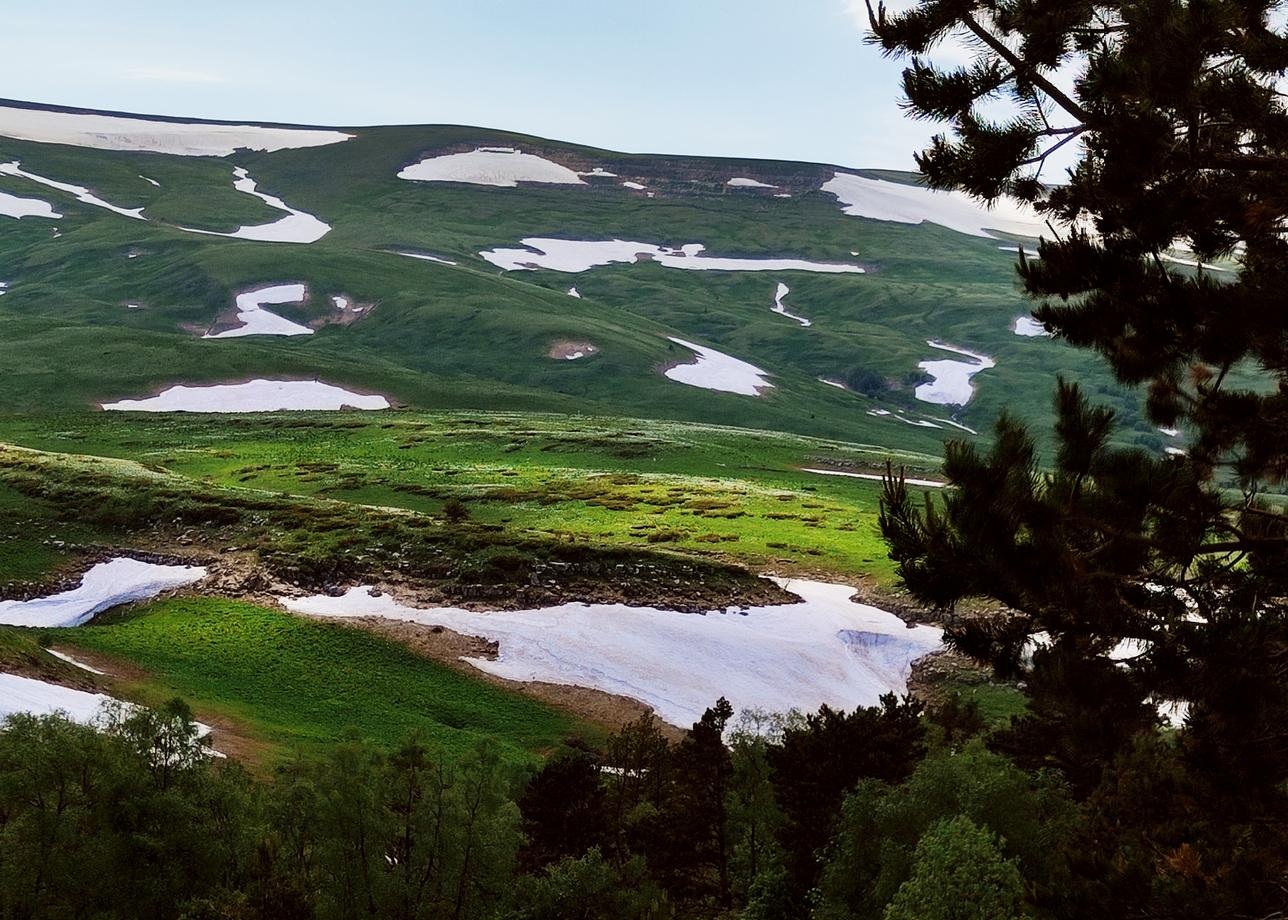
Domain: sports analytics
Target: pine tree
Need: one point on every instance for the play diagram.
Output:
(1149, 579)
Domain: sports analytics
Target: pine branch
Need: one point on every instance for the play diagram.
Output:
(1006, 54)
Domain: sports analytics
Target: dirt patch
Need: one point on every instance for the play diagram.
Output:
(447, 647)
(228, 737)
(571, 351)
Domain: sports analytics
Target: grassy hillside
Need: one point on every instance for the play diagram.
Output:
(297, 684)
(470, 336)
(303, 485)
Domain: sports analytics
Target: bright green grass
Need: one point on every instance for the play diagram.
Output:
(998, 703)
(728, 493)
(299, 683)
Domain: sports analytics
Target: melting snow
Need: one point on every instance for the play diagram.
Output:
(503, 167)
(876, 477)
(82, 194)
(822, 649)
(782, 291)
(252, 396)
(18, 208)
(39, 698)
(635, 186)
(714, 370)
(1170, 432)
(951, 385)
(427, 258)
(107, 584)
(255, 320)
(115, 132)
(744, 182)
(878, 199)
(74, 662)
(582, 255)
(599, 172)
(573, 292)
(153, 182)
(1028, 326)
(295, 227)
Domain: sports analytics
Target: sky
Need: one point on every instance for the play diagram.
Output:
(752, 78)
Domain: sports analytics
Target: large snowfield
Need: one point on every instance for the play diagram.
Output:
(582, 255)
(823, 649)
(878, 199)
(503, 167)
(252, 396)
(119, 132)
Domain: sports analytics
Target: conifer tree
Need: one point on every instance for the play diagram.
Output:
(1148, 579)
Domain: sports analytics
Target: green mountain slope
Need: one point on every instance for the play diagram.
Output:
(469, 335)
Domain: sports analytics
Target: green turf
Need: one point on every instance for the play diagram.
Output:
(470, 336)
(298, 683)
(731, 494)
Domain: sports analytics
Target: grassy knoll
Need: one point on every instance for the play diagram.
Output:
(705, 491)
(297, 683)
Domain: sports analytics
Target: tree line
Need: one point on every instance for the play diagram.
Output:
(891, 812)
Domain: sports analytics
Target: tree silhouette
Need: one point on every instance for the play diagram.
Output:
(1134, 579)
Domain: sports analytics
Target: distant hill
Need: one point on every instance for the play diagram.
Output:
(391, 264)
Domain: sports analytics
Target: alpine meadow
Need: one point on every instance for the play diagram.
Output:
(431, 521)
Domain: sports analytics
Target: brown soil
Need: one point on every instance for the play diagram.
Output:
(227, 736)
(564, 350)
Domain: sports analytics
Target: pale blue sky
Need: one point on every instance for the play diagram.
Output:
(725, 77)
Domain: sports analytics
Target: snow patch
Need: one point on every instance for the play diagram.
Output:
(18, 208)
(574, 256)
(115, 132)
(502, 167)
(1028, 326)
(82, 194)
(253, 396)
(878, 199)
(782, 291)
(744, 182)
(714, 370)
(876, 477)
(255, 320)
(153, 182)
(951, 385)
(425, 257)
(40, 698)
(573, 292)
(107, 584)
(295, 227)
(821, 649)
(74, 662)
(634, 186)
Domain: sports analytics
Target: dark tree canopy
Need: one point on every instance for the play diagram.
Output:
(1179, 112)
(1150, 579)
